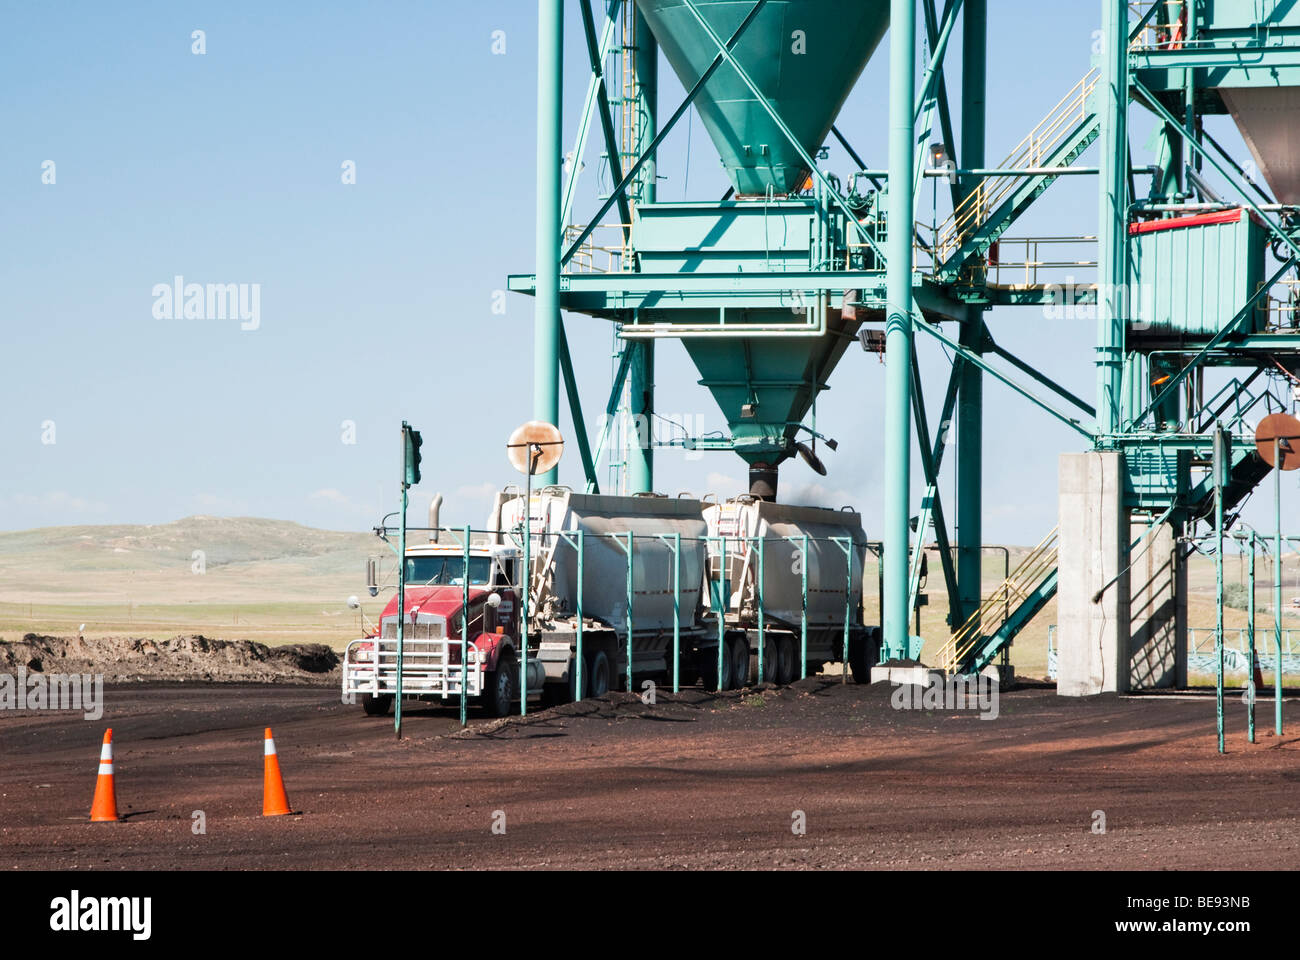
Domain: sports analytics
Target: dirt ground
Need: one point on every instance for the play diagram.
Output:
(696, 781)
(180, 658)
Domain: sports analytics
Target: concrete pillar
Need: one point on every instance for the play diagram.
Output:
(1157, 610)
(1092, 636)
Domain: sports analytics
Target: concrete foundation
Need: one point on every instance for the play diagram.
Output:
(1119, 627)
(918, 675)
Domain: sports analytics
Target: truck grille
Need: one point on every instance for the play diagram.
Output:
(423, 630)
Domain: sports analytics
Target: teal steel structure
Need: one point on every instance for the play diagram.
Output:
(768, 286)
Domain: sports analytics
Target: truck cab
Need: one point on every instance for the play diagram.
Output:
(435, 622)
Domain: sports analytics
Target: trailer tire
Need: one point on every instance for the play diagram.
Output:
(785, 668)
(771, 659)
(738, 647)
(373, 705)
(708, 659)
(501, 686)
(597, 674)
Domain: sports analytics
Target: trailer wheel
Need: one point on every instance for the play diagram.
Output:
(500, 687)
(708, 659)
(739, 663)
(771, 659)
(597, 674)
(376, 706)
(785, 669)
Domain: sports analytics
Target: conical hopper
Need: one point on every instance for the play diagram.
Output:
(766, 386)
(805, 56)
(1266, 117)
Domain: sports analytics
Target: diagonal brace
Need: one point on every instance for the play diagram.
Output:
(650, 150)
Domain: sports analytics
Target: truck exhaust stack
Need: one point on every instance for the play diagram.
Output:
(435, 505)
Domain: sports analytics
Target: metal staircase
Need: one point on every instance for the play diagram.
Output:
(1031, 585)
(987, 211)
(1247, 472)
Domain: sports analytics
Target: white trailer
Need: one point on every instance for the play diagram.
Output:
(808, 600)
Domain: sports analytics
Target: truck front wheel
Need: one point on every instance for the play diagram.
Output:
(500, 686)
(376, 706)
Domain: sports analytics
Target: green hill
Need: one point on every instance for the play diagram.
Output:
(268, 580)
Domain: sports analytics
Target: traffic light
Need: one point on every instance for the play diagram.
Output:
(411, 441)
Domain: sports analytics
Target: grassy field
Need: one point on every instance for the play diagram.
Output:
(278, 582)
(263, 580)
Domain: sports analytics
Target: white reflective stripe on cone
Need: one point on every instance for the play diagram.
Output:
(105, 769)
(270, 747)
(106, 753)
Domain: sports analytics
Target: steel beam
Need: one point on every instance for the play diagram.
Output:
(550, 111)
(1112, 228)
(611, 407)
(575, 411)
(919, 323)
(598, 99)
(898, 326)
(639, 456)
(969, 530)
(631, 175)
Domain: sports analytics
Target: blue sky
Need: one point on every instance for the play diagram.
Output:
(376, 297)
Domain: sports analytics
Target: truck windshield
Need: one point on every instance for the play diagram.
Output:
(440, 570)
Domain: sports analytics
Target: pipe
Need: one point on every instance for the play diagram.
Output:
(435, 505)
(898, 326)
(546, 322)
(763, 481)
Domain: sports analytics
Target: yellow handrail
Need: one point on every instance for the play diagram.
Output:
(1032, 151)
(1016, 588)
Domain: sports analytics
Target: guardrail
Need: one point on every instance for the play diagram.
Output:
(1202, 656)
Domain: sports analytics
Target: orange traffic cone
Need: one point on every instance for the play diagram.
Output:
(1258, 678)
(275, 803)
(103, 809)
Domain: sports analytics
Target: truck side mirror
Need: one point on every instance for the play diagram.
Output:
(372, 581)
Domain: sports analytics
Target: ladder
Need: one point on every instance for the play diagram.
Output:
(1033, 582)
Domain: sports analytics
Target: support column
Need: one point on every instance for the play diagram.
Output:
(970, 411)
(641, 398)
(641, 373)
(974, 59)
(1112, 231)
(1093, 594)
(898, 325)
(546, 319)
(970, 473)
